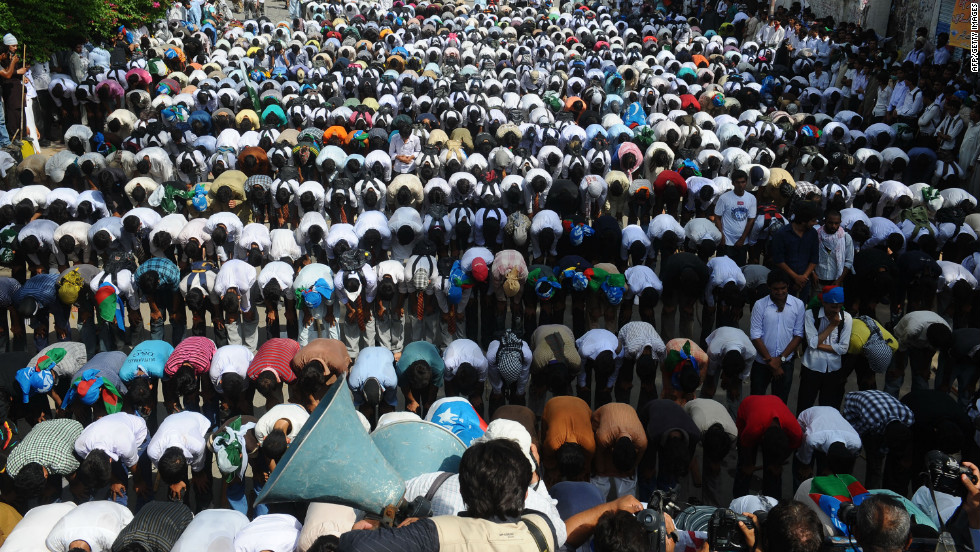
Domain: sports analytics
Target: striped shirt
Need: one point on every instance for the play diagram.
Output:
(196, 350)
(51, 444)
(275, 355)
(156, 526)
(165, 268)
(41, 288)
(8, 290)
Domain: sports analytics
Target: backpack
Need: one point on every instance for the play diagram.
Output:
(876, 349)
(510, 357)
(919, 216)
(119, 260)
(952, 215)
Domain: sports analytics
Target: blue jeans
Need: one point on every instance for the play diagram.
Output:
(4, 137)
(239, 501)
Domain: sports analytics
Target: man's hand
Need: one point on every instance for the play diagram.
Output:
(140, 487)
(629, 504)
(232, 204)
(176, 491)
(775, 365)
(412, 406)
(971, 503)
(740, 242)
(800, 281)
(117, 490)
(366, 525)
(749, 534)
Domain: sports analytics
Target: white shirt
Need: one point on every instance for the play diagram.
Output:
(880, 228)
(30, 533)
(631, 234)
(254, 233)
(700, 229)
(735, 212)
(230, 359)
(369, 285)
(775, 328)
(460, 351)
(911, 329)
(639, 278)
(171, 224)
(123, 280)
(119, 435)
(723, 270)
(545, 218)
(186, 431)
(400, 146)
(211, 531)
(404, 216)
(237, 274)
(283, 244)
(272, 532)
(663, 223)
(822, 427)
(839, 339)
(341, 232)
(296, 414)
(98, 523)
(278, 271)
(952, 273)
(194, 229)
(233, 225)
(377, 363)
(725, 339)
(595, 342)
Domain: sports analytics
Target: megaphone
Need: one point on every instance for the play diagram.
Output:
(333, 459)
(416, 447)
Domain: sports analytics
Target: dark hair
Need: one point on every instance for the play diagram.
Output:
(732, 363)
(30, 481)
(30, 244)
(793, 527)
(325, 543)
(839, 459)
(571, 460)
(194, 299)
(26, 307)
(897, 435)
(232, 386)
(312, 376)
(624, 454)
(131, 224)
(939, 335)
(775, 445)
(172, 466)
(133, 546)
(149, 281)
(95, 470)
(185, 380)
(777, 277)
(139, 194)
(274, 444)
(230, 302)
(675, 455)
(493, 479)
(883, 524)
(716, 442)
(223, 195)
(266, 383)
(466, 378)
(219, 235)
(139, 394)
(272, 290)
(619, 531)
(372, 391)
(418, 375)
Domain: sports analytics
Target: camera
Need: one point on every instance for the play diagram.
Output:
(652, 519)
(944, 474)
(724, 534)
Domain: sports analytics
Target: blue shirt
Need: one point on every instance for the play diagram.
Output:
(421, 350)
(165, 268)
(41, 288)
(373, 362)
(796, 251)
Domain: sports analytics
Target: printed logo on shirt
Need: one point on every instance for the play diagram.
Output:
(740, 212)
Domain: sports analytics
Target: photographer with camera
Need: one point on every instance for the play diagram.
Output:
(789, 527)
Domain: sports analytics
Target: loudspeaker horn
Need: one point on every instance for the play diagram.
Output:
(333, 459)
(415, 447)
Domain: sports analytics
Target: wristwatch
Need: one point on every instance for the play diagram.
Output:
(783, 359)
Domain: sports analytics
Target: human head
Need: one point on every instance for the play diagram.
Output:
(831, 221)
(571, 460)
(775, 445)
(493, 479)
(939, 336)
(794, 527)
(419, 374)
(716, 442)
(30, 481)
(624, 454)
(840, 459)
(274, 444)
(778, 282)
(620, 531)
(739, 180)
(883, 524)
(371, 391)
(172, 466)
(95, 470)
(675, 454)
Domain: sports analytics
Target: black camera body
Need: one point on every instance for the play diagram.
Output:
(944, 474)
(724, 534)
(653, 521)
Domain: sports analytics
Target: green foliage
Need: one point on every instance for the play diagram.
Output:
(47, 26)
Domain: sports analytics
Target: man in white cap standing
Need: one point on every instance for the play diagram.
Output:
(9, 76)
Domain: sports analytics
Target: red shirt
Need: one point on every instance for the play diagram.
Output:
(275, 354)
(755, 415)
(673, 176)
